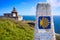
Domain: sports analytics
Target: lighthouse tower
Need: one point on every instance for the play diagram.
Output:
(44, 26)
(14, 12)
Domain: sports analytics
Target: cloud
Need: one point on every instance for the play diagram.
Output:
(54, 3)
(33, 9)
(55, 6)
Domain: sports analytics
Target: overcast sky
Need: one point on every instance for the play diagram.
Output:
(27, 7)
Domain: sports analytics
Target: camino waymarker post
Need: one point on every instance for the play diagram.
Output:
(44, 26)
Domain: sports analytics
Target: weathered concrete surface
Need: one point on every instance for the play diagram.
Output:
(44, 9)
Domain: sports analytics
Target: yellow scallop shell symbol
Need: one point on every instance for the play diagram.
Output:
(44, 22)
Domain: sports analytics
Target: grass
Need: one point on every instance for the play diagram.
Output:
(15, 30)
(11, 29)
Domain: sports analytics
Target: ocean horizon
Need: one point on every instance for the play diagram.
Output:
(55, 18)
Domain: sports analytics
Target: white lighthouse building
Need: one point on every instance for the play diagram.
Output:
(13, 15)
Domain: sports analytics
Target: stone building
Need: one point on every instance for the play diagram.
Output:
(13, 14)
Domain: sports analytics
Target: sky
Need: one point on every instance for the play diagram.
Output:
(27, 7)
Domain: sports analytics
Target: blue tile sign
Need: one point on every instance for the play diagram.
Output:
(44, 22)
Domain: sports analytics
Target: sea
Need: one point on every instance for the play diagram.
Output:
(55, 18)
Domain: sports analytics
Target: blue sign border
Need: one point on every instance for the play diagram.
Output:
(48, 17)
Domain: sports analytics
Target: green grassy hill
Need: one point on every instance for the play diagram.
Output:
(15, 30)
